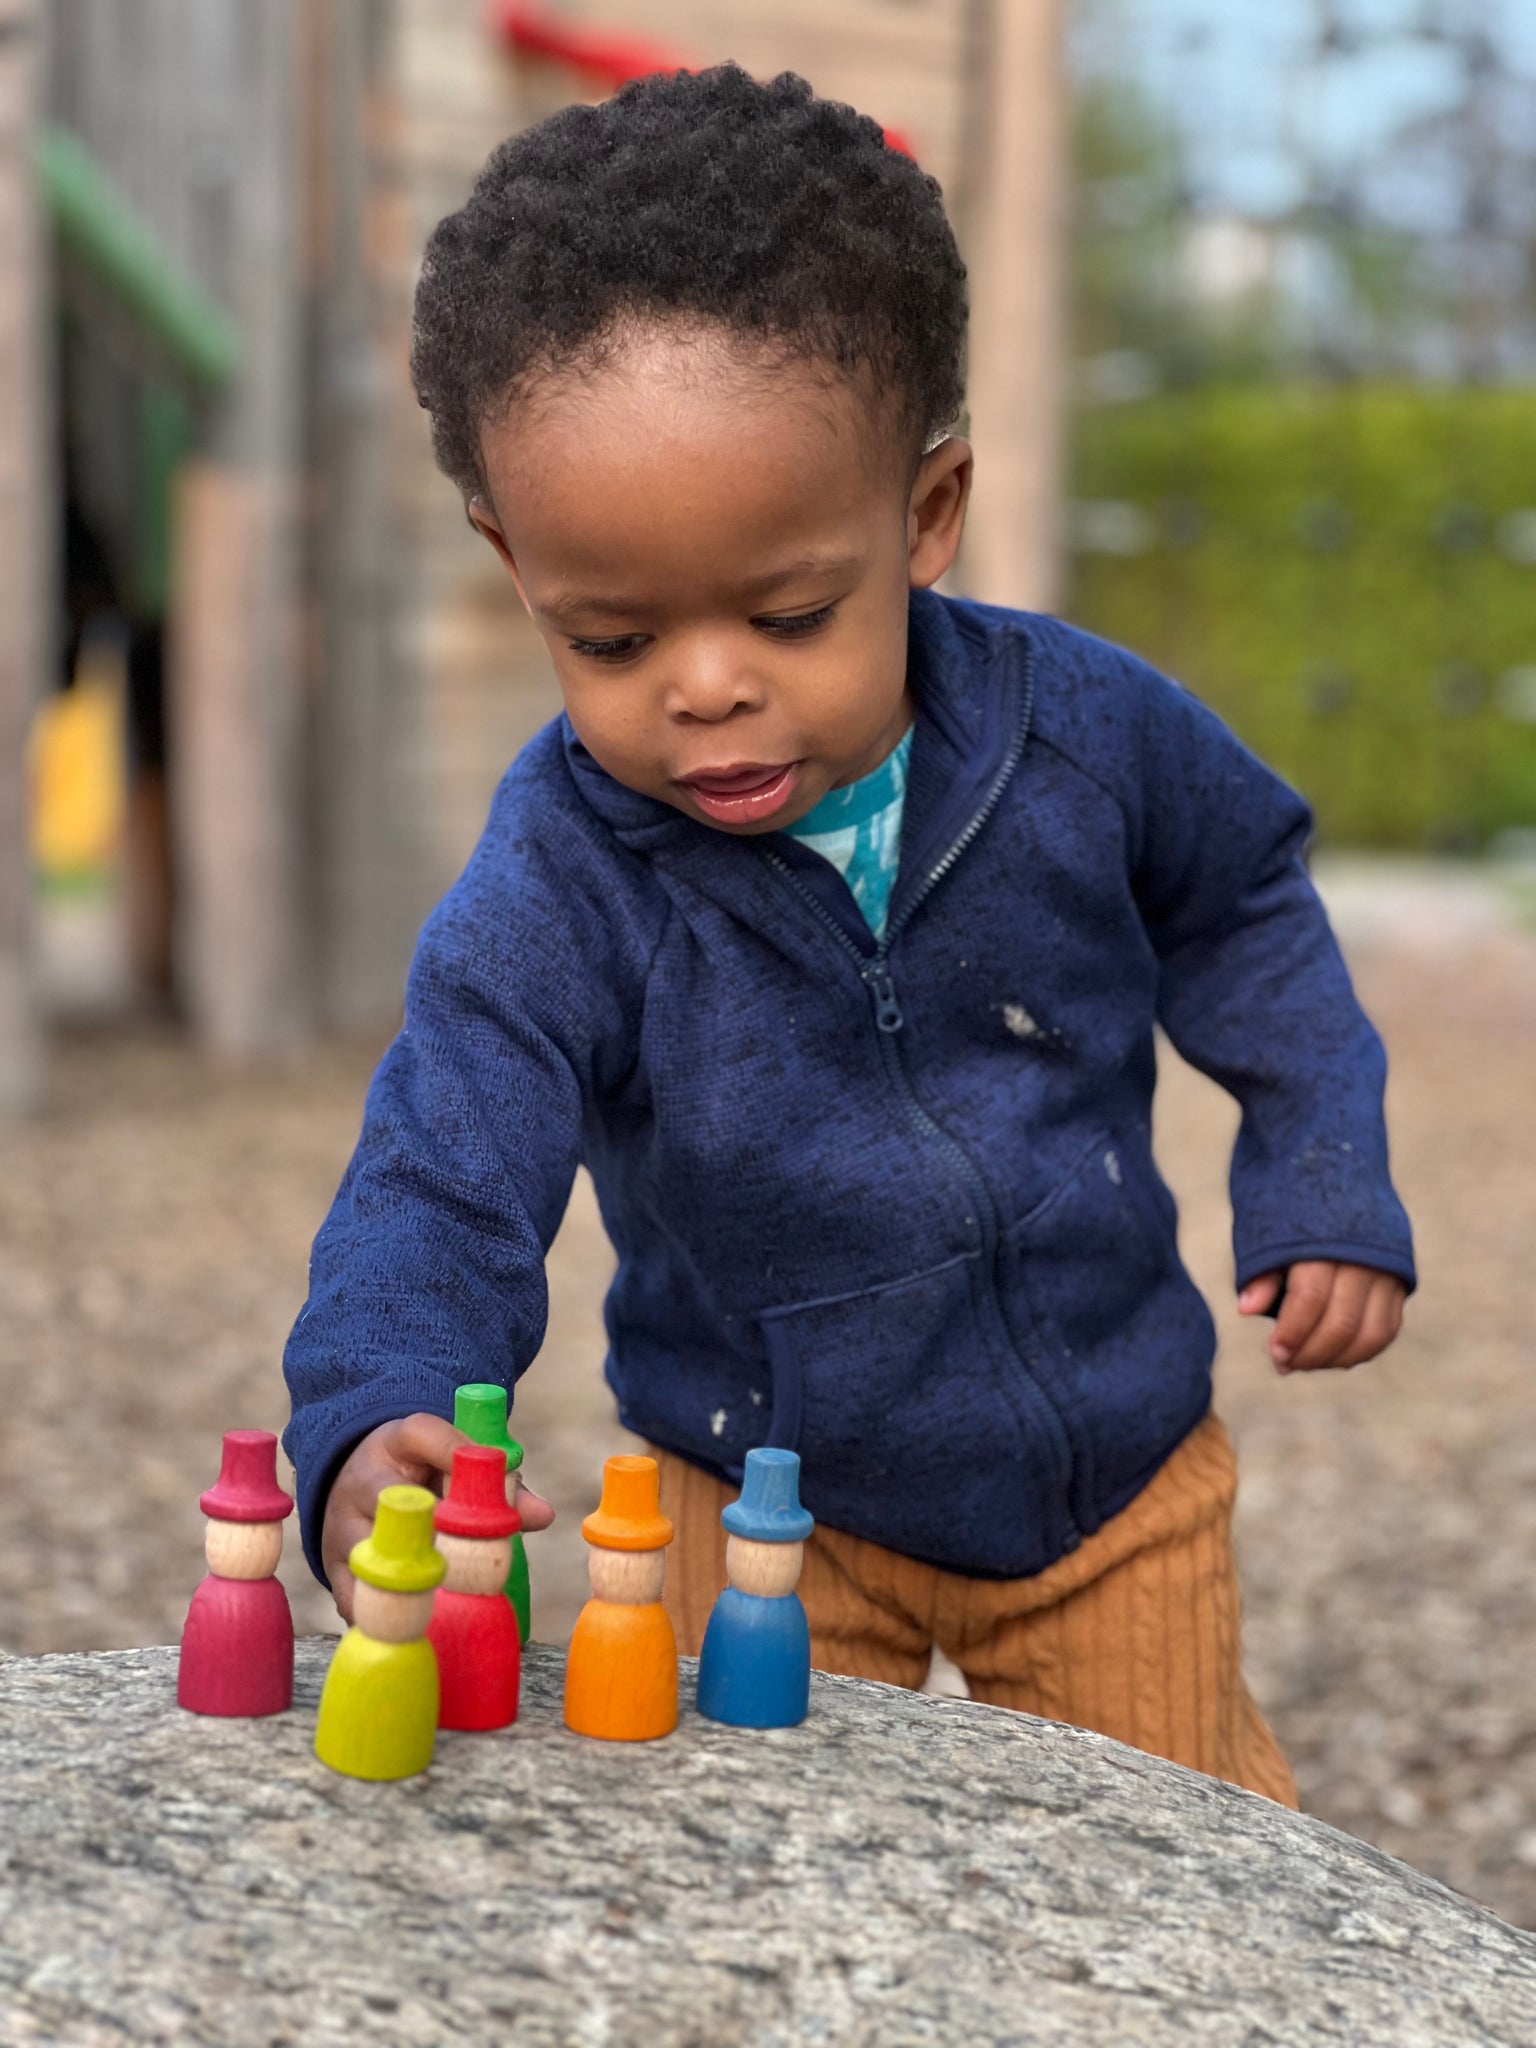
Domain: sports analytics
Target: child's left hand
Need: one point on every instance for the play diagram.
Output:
(1332, 1315)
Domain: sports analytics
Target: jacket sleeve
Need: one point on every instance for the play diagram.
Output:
(1254, 992)
(429, 1269)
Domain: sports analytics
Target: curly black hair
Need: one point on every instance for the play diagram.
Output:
(780, 216)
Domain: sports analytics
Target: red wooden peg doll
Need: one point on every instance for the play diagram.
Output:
(473, 1627)
(237, 1646)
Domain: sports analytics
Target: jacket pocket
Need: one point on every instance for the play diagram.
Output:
(908, 1430)
(1117, 1330)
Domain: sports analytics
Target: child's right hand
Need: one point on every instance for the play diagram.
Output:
(415, 1451)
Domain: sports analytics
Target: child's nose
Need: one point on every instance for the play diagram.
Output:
(709, 682)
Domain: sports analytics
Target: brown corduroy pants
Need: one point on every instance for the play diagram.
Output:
(1135, 1634)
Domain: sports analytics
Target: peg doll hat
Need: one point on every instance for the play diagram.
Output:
(480, 1410)
(247, 1488)
(769, 1509)
(476, 1501)
(398, 1557)
(629, 1515)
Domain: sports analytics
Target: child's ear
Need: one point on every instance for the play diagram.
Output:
(936, 511)
(483, 518)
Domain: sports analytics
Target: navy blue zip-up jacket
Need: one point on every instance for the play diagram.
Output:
(892, 1206)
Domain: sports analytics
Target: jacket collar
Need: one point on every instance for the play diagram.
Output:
(965, 664)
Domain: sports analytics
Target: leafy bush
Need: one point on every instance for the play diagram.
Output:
(1347, 574)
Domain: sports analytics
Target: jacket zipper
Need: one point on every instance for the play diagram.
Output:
(874, 972)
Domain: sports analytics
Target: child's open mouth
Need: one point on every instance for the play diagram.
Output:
(743, 793)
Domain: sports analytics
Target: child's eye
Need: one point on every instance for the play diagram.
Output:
(792, 626)
(624, 648)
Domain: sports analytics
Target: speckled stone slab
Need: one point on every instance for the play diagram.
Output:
(899, 1870)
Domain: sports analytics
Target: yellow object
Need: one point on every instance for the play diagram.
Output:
(378, 1712)
(79, 774)
(398, 1557)
(629, 1516)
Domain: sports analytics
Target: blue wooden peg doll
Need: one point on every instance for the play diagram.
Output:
(755, 1667)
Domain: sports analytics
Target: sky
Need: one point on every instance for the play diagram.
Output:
(1257, 102)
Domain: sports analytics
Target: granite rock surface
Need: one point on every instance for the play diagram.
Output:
(898, 1870)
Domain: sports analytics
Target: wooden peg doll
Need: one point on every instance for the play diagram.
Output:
(755, 1665)
(474, 1629)
(621, 1669)
(480, 1410)
(237, 1645)
(378, 1712)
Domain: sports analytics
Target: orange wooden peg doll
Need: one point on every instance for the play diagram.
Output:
(621, 1670)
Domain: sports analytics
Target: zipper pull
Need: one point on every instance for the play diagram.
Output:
(882, 991)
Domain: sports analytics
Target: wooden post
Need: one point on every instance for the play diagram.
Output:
(236, 681)
(1013, 546)
(26, 556)
(233, 785)
(362, 900)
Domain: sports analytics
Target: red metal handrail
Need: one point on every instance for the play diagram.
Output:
(608, 60)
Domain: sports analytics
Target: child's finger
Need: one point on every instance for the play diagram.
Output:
(1395, 1295)
(343, 1588)
(1379, 1323)
(422, 1447)
(1259, 1295)
(344, 1526)
(1334, 1331)
(1307, 1289)
(533, 1507)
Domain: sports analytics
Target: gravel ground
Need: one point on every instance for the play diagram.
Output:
(153, 1231)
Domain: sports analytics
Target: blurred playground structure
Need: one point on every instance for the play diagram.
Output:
(1254, 335)
(225, 486)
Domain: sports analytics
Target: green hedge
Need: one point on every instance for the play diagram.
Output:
(1337, 572)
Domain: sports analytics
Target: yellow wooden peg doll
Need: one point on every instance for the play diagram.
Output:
(378, 1712)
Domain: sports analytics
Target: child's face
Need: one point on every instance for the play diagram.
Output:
(717, 552)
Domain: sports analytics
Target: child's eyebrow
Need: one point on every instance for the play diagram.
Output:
(575, 603)
(792, 572)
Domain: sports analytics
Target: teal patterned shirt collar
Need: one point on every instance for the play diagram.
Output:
(858, 829)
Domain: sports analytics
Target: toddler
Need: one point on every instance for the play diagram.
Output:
(829, 928)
